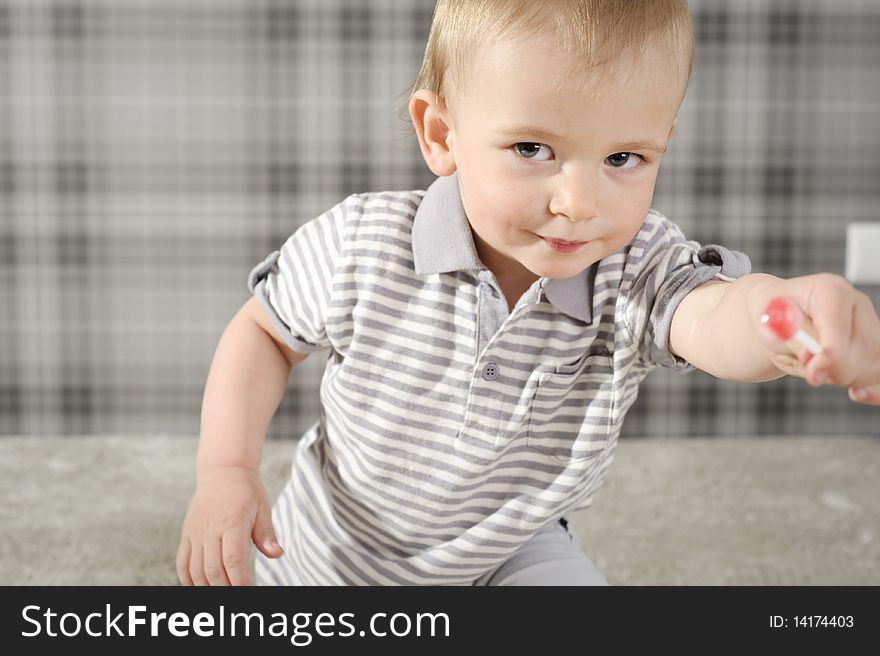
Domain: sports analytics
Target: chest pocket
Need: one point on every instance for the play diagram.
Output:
(571, 412)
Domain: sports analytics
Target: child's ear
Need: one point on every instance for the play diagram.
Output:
(431, 122)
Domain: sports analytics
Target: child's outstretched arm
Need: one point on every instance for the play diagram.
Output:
(717, 328)
(230, 507)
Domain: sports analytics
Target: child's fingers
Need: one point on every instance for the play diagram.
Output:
(857, 364)
(869, 395)
(236, 550)
(263, 534)
(786, 332)
(864, 375)
(196, 569)
(830, 308)
(214, 570)
(865, 352)
(183, 562)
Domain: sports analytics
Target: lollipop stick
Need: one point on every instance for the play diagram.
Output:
(806, 340)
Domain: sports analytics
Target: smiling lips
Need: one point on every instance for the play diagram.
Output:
(562, 246)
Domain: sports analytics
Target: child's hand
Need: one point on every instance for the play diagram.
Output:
(844, 323)
(228, 510)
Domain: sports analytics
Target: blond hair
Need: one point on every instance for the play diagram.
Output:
(589, 33)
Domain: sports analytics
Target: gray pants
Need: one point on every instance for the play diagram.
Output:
(552, 557)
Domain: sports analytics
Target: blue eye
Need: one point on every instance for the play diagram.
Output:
(624, 161)
(533, 151)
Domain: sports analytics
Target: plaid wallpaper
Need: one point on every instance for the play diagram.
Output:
(152, 151)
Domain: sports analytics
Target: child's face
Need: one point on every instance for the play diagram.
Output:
(591, 183)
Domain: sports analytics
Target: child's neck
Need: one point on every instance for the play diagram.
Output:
(513, 278)
(514, 282)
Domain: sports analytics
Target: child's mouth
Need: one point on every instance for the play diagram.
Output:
(561, 246)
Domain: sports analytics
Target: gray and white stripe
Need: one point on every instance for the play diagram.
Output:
(451, 430)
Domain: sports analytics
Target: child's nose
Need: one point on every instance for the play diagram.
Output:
(574, 199)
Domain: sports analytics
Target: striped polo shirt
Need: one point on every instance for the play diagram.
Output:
(451, 429)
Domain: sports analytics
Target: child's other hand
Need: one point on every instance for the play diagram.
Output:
(844, 322)
(228, 510)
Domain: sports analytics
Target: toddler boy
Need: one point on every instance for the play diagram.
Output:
(487, 336)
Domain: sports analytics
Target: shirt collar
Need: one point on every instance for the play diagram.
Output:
(442, 242)
(441, 235)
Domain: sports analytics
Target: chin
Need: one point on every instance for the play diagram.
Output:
(566, 266)
(551, 271)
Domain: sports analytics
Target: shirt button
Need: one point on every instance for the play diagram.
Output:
(490, 371)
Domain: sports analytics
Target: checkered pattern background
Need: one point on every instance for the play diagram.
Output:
(152, 151)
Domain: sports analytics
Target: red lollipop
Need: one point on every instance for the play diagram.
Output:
(783, 319)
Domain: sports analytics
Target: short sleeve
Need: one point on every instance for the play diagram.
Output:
(294, 284)
(661, 268)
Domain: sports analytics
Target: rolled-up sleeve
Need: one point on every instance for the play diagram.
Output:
(294, 284)
(662, 267)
